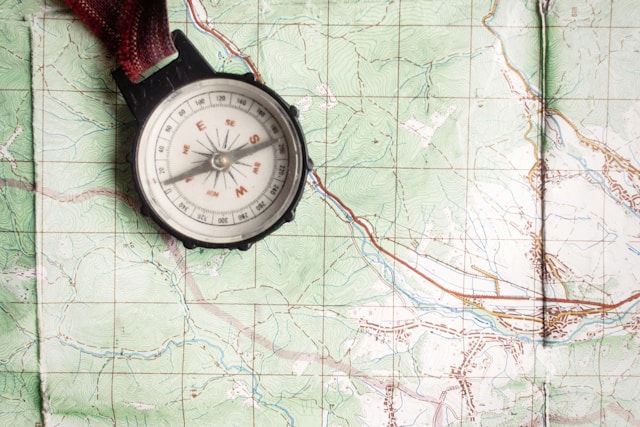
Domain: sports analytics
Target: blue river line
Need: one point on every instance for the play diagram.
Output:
(174, 344)
(596, 176)
(373, 254)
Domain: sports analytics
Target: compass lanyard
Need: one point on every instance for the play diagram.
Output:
(136, 31)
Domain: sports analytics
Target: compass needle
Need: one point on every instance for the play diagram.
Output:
(201, 168)
(199, 153)
(245, 151)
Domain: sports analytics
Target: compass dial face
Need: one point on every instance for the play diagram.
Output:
(220, 162)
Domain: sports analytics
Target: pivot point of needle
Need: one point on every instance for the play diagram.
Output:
(221, 161)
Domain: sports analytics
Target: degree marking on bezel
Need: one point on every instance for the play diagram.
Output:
(267, 126)
(264, 110)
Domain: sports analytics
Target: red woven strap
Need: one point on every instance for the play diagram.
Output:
(136, 31)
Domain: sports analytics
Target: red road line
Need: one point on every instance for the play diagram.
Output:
(228, 44)
(461, 295)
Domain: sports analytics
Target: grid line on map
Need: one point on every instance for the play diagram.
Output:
(114, 242)
(603, 231)
(285, 234)
(356, 167)
(323, 337)
(382, 238)
(467, 189)
(395, 294)
(356, 375)
(206, 302)
(103, 92)
(574, 25)
(254, 324)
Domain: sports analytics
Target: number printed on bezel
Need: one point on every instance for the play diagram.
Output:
(220, 161)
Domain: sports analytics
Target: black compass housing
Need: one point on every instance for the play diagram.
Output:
(145, 96)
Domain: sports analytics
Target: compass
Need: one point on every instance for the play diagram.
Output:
(220, 159)
(220, 162)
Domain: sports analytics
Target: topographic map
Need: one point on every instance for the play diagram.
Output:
(466, 251)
